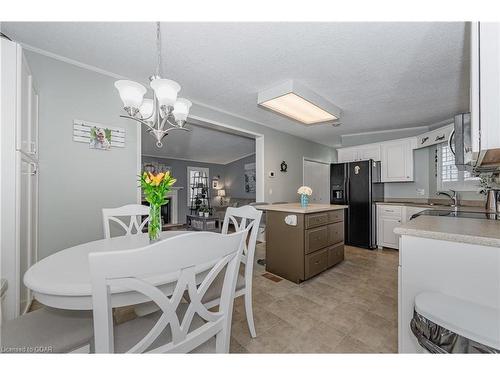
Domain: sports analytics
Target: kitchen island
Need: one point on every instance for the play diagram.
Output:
(303, 242)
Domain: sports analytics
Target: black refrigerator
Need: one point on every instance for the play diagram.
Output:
(357, 184)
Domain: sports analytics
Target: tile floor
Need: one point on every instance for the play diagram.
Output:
(351, 308)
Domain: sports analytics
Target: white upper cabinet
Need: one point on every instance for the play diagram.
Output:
(357, 153)
(346, 155)
(485, 86)
(369, 152)
(396, 157)
(397, 160)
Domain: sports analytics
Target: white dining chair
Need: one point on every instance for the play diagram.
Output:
(132, 211)
(48, 330)
(246, 219)
(186, 262)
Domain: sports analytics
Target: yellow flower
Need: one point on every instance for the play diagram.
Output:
(156, 180)
(146, 178)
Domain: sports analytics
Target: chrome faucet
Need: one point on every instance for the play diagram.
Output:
(452, 196)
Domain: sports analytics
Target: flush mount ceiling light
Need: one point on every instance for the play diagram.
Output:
(298, 102)
(165, 107)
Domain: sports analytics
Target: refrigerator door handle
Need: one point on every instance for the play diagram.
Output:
(346, 189)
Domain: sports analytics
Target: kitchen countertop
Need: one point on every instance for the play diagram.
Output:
(474, 231)
(436, 206)
(296, 208)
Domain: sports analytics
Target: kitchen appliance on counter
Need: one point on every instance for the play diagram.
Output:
(357, 184)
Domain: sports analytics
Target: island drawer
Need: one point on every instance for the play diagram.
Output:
(316, 220)
(316, 263)
(316, 239)
(335, 254)
(335, 233)
(335, 216)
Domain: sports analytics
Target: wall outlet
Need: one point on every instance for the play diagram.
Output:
(420, 191)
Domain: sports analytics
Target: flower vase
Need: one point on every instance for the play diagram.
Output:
(304, 200)
(154, 225)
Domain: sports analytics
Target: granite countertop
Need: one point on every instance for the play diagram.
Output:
(436, 206)
(296, 208)
(474, 231)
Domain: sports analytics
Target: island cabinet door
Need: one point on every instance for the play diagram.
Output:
(335, 233)
(316, 263)
(316, 239)
(335, 254)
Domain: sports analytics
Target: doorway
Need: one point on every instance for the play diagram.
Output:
(317, 176)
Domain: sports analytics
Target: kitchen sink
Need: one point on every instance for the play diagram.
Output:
(464, 214)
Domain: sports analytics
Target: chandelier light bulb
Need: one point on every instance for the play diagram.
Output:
(147, 109)
(181, 109)
(166, 91)
(131, 93)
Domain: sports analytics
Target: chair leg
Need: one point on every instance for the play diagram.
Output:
(222, 342)
(249, 313)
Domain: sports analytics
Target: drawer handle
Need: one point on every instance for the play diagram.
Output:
(317, 262)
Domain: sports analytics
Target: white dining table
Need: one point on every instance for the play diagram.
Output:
(62, 280)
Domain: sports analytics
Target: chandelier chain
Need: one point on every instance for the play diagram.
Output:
(158, 48)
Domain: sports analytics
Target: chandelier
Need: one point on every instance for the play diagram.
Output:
(163, 113)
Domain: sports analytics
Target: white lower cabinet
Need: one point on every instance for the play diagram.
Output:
(390, 216)
(389, 238)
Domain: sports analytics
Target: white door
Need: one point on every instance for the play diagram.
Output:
(23, 131)
(27, 225)
(317, 177)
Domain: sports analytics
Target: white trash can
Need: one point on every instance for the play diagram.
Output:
(446, 324)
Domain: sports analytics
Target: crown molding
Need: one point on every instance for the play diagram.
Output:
(71, 61)
(195, 160)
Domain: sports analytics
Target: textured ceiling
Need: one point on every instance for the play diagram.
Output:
(383, 75)
(201, 144)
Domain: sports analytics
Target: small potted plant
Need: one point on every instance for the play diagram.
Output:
(204, 211)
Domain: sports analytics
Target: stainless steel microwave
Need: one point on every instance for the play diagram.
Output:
(460, 143)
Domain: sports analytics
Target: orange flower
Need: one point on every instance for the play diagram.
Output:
(156, 180)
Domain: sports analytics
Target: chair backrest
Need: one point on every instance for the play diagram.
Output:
(132, 211)
(186, 262)
(245, 218)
